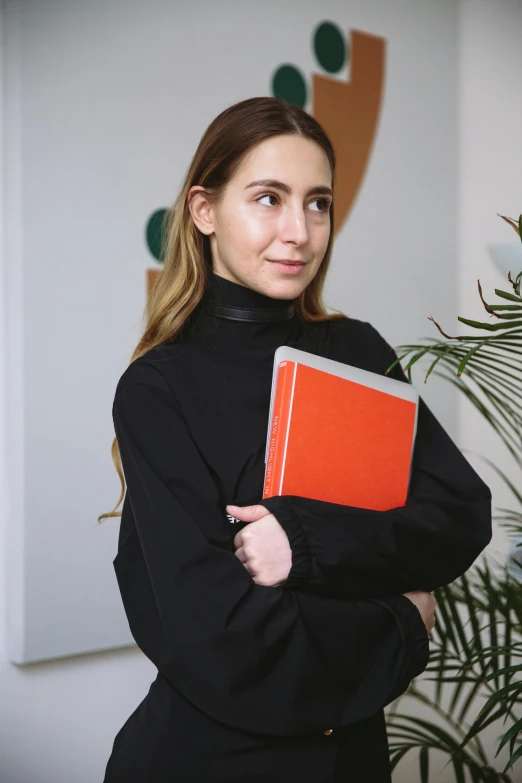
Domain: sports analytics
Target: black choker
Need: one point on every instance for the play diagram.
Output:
(255, 315)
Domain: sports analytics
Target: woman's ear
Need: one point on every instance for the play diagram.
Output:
(201, 209)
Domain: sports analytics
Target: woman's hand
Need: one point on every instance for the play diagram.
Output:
(425, 603)
(262, 546)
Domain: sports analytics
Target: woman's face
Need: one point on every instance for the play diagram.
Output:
(284, 219)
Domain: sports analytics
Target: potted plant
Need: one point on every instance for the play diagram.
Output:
(476, 645)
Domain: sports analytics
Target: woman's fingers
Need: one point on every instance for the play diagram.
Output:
(240, 554)
(248, 513)
(426, 604)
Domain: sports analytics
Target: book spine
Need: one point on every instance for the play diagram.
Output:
(279, 429)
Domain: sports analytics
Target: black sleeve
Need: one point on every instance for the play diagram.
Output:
(346, 551)
(257, 658)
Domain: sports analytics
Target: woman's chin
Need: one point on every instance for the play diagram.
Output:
(282, 289)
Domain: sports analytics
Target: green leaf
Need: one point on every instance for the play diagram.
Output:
(424, 762)
(396, 757)
(446, 349)
(459, 770)
(467, 357)
(506, 295)
(514, 757)
(513, 733)
(470, 698)
(489, 327)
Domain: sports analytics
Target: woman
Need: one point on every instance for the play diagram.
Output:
(280, 629)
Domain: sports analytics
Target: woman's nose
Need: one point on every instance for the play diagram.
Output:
(293, 225)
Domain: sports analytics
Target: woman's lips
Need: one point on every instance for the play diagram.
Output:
(292, 267)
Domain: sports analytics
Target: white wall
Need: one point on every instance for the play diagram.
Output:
(397, 259)
(490, 118)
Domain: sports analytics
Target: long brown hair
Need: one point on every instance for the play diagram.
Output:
(186, 251)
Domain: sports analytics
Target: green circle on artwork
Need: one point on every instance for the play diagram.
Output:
(154, 233)
(289, 85)
(330, 47)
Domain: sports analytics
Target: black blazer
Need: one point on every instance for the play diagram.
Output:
(263, 683)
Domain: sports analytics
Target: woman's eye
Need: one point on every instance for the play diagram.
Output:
(325, 204)
(268, 195)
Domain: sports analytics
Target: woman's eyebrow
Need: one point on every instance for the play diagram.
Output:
(274, 183)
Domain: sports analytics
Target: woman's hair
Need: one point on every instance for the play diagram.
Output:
(185, 252)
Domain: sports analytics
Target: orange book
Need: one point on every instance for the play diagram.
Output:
(338, 433)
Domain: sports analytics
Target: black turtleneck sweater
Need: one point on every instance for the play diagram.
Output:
(252, 679)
